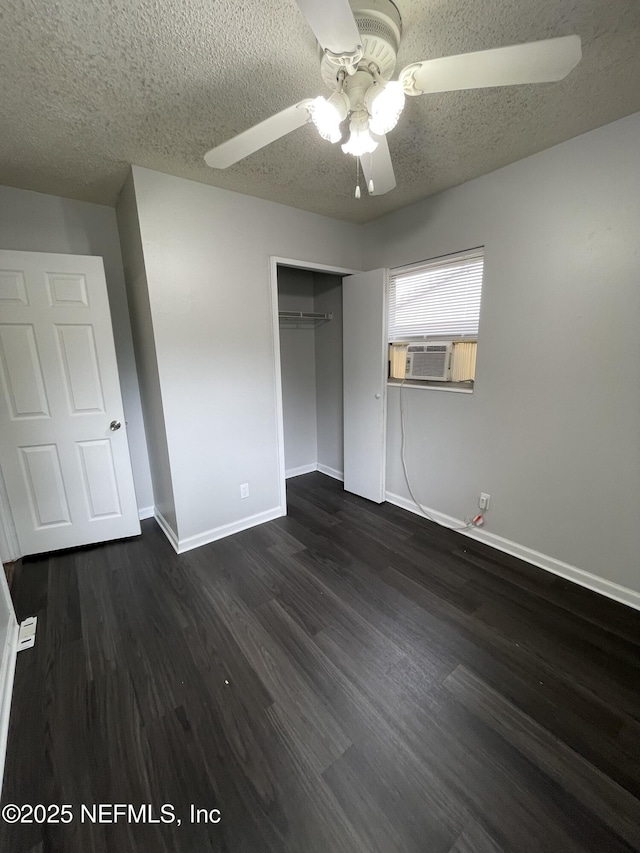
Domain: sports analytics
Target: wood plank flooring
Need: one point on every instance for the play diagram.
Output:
(348, 679)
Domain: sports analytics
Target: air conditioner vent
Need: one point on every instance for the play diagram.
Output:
(429, 361)
(428, 348)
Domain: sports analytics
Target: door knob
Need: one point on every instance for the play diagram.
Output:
(114, 425)
(377, 396)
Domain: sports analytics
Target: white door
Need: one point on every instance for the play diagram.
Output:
(63, 439)
(364, 308)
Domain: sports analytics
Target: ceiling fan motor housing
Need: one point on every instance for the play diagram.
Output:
(380, 28)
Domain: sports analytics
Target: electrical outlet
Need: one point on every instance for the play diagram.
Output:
(244, 490)
(483, 500)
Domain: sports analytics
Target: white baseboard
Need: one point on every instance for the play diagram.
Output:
(7, 671)
(199, 539)
(314, 466)
(191, 542)
(331, 472)
(302, 469)
(145, 512)
(166, 529)
(565, 570)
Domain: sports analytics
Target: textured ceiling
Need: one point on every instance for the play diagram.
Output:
(91, 86)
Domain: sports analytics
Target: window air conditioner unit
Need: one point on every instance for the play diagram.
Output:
(430, 361)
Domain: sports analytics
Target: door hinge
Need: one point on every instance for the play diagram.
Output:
(27, 633)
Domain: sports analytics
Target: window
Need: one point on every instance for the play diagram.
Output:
(434, 312)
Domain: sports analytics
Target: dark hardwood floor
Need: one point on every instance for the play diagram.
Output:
(349, 679)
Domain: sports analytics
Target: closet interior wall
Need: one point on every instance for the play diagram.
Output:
(311, 372)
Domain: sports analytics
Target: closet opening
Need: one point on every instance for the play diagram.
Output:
(308, 337)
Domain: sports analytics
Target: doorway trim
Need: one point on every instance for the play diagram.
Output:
(311, 266)
(8, 656)
(9, 546)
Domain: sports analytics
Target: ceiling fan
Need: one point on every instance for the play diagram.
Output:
(359, 42)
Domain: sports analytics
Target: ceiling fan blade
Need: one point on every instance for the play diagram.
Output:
(535, 62)
(258, 136)
(333, 24)
(378, 166)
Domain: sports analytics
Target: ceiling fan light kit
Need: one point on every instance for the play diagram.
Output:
(328, 115)
(359, 41)
(360, 140)
(385, 103)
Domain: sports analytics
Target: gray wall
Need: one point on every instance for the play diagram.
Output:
(35, 222)
(552, 430)
(141, 322)
(328, 355)
(298, 372)
(206, 255)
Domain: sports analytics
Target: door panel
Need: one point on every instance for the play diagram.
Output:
(365, 385)
(12, 288)
(68, 476)
(23, 383)
(44, 486)
(67, 289)
(101, 488)
(79, 361)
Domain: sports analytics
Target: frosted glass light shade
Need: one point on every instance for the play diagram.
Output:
(385, 105)
(327, 115)
(360, 140)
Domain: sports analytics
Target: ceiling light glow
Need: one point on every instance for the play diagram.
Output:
(327, 115)
(385, 105)
(360, 140)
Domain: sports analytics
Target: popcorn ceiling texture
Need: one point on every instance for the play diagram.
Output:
(90, 86)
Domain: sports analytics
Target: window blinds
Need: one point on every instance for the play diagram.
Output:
(438, 298)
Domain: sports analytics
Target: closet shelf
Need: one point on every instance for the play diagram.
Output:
(303, 319)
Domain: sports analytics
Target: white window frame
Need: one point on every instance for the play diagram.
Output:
(459, 333)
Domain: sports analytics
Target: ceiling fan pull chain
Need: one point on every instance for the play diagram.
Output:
(371, 187)
(357, 193)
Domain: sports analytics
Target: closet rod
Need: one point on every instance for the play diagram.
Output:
(303, 318)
